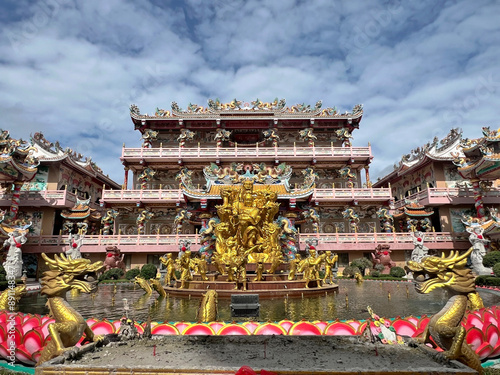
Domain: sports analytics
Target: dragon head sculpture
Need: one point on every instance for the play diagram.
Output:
(65, 274)
(450, 272)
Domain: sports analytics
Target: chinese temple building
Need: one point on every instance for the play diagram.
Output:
(302, 153)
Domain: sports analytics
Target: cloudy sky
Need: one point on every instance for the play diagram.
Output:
(71, 68)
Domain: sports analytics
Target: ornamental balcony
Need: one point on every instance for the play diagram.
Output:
(161, 243)
(176, 195)
(42, 198)
(238, 153)
(454, 196)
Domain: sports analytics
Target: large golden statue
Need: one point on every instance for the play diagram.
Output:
(65, 274)
(247, 225)
(444, 327)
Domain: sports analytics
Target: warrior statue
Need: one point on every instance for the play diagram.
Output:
(75, 243)
(478, 241)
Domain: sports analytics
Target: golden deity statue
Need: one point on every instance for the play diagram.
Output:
(329, 264)
(246, 225)
(169, 263)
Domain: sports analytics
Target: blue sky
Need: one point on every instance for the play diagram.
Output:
(72, 68)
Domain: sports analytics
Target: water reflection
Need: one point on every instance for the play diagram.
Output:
(108, 303)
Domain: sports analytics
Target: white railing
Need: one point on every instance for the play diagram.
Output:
(435, 193)
(172, 239)
(176, 194)
(245, 152)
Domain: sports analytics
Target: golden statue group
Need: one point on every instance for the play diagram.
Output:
(246, 232)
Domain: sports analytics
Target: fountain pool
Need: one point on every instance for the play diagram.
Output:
(403, 301)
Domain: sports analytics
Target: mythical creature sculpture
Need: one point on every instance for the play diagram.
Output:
(175, 107)
(143, 283)
(478, 242)
(114, 259)
(329, 111)
(195, 108)
(207, 312)
(230, 173)
(182, 216)
(207, 237)
(312, 217)
(359, 277)
(185, 177)
(386, 220)
(275, 104)
(146, 176)
(344, 135)
(382, 256)
(185, 136)
(156, 285)
(353, 218)
(222, 135)
(308, 135)
(65, 275)
(425, 224)
(148, 137)
(262, 173)
(169, 263)
(14, 261)
(17, 293)
(272, 136)
(306, 108)
(346, 174)
(162, 113)
(134, 109)
(357, 108)
(310, 177)
(108, 221)
(288, 238)
(445, 327)
(75, 244)
(143, 217)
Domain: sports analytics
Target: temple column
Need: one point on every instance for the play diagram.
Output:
(125, 180)
(367, 176)
(478, 198)
(14, 205)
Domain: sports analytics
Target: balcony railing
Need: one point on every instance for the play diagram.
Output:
(60, 198)
(236, 152)
(176, 194)
(171, 239)
(432, 196)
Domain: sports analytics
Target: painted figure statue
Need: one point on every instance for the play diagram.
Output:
(13, 264)
(75, 244)
(382, 255)
(445, 327)
(64, 275)
(478, 242)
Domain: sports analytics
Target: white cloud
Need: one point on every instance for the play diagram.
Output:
(419, 68)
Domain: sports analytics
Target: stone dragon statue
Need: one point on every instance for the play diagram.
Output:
(444, 327)
(308, 135)
(108, 221)
(64, 275)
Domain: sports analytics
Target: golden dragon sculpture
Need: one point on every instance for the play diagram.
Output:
(156, 285)
(207, 312)
(143, 283)
(66, 274)
(17, 293)
(444, 327)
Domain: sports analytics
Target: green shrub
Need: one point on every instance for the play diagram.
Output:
(379, 267)
(350, 271)
(112, 274)
(496, 269)
(492, 258)
(397, 272)
(362, 264)
(130, 274)
(148, 271)
(375, 273)
(487, 280)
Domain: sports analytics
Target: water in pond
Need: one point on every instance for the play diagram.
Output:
(330, 307)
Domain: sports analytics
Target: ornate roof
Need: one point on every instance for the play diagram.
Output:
(412, 209)
(277, 108)
(81, 210)
(18, 161)
(51, 152)
(445, 150)
(481, 156)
